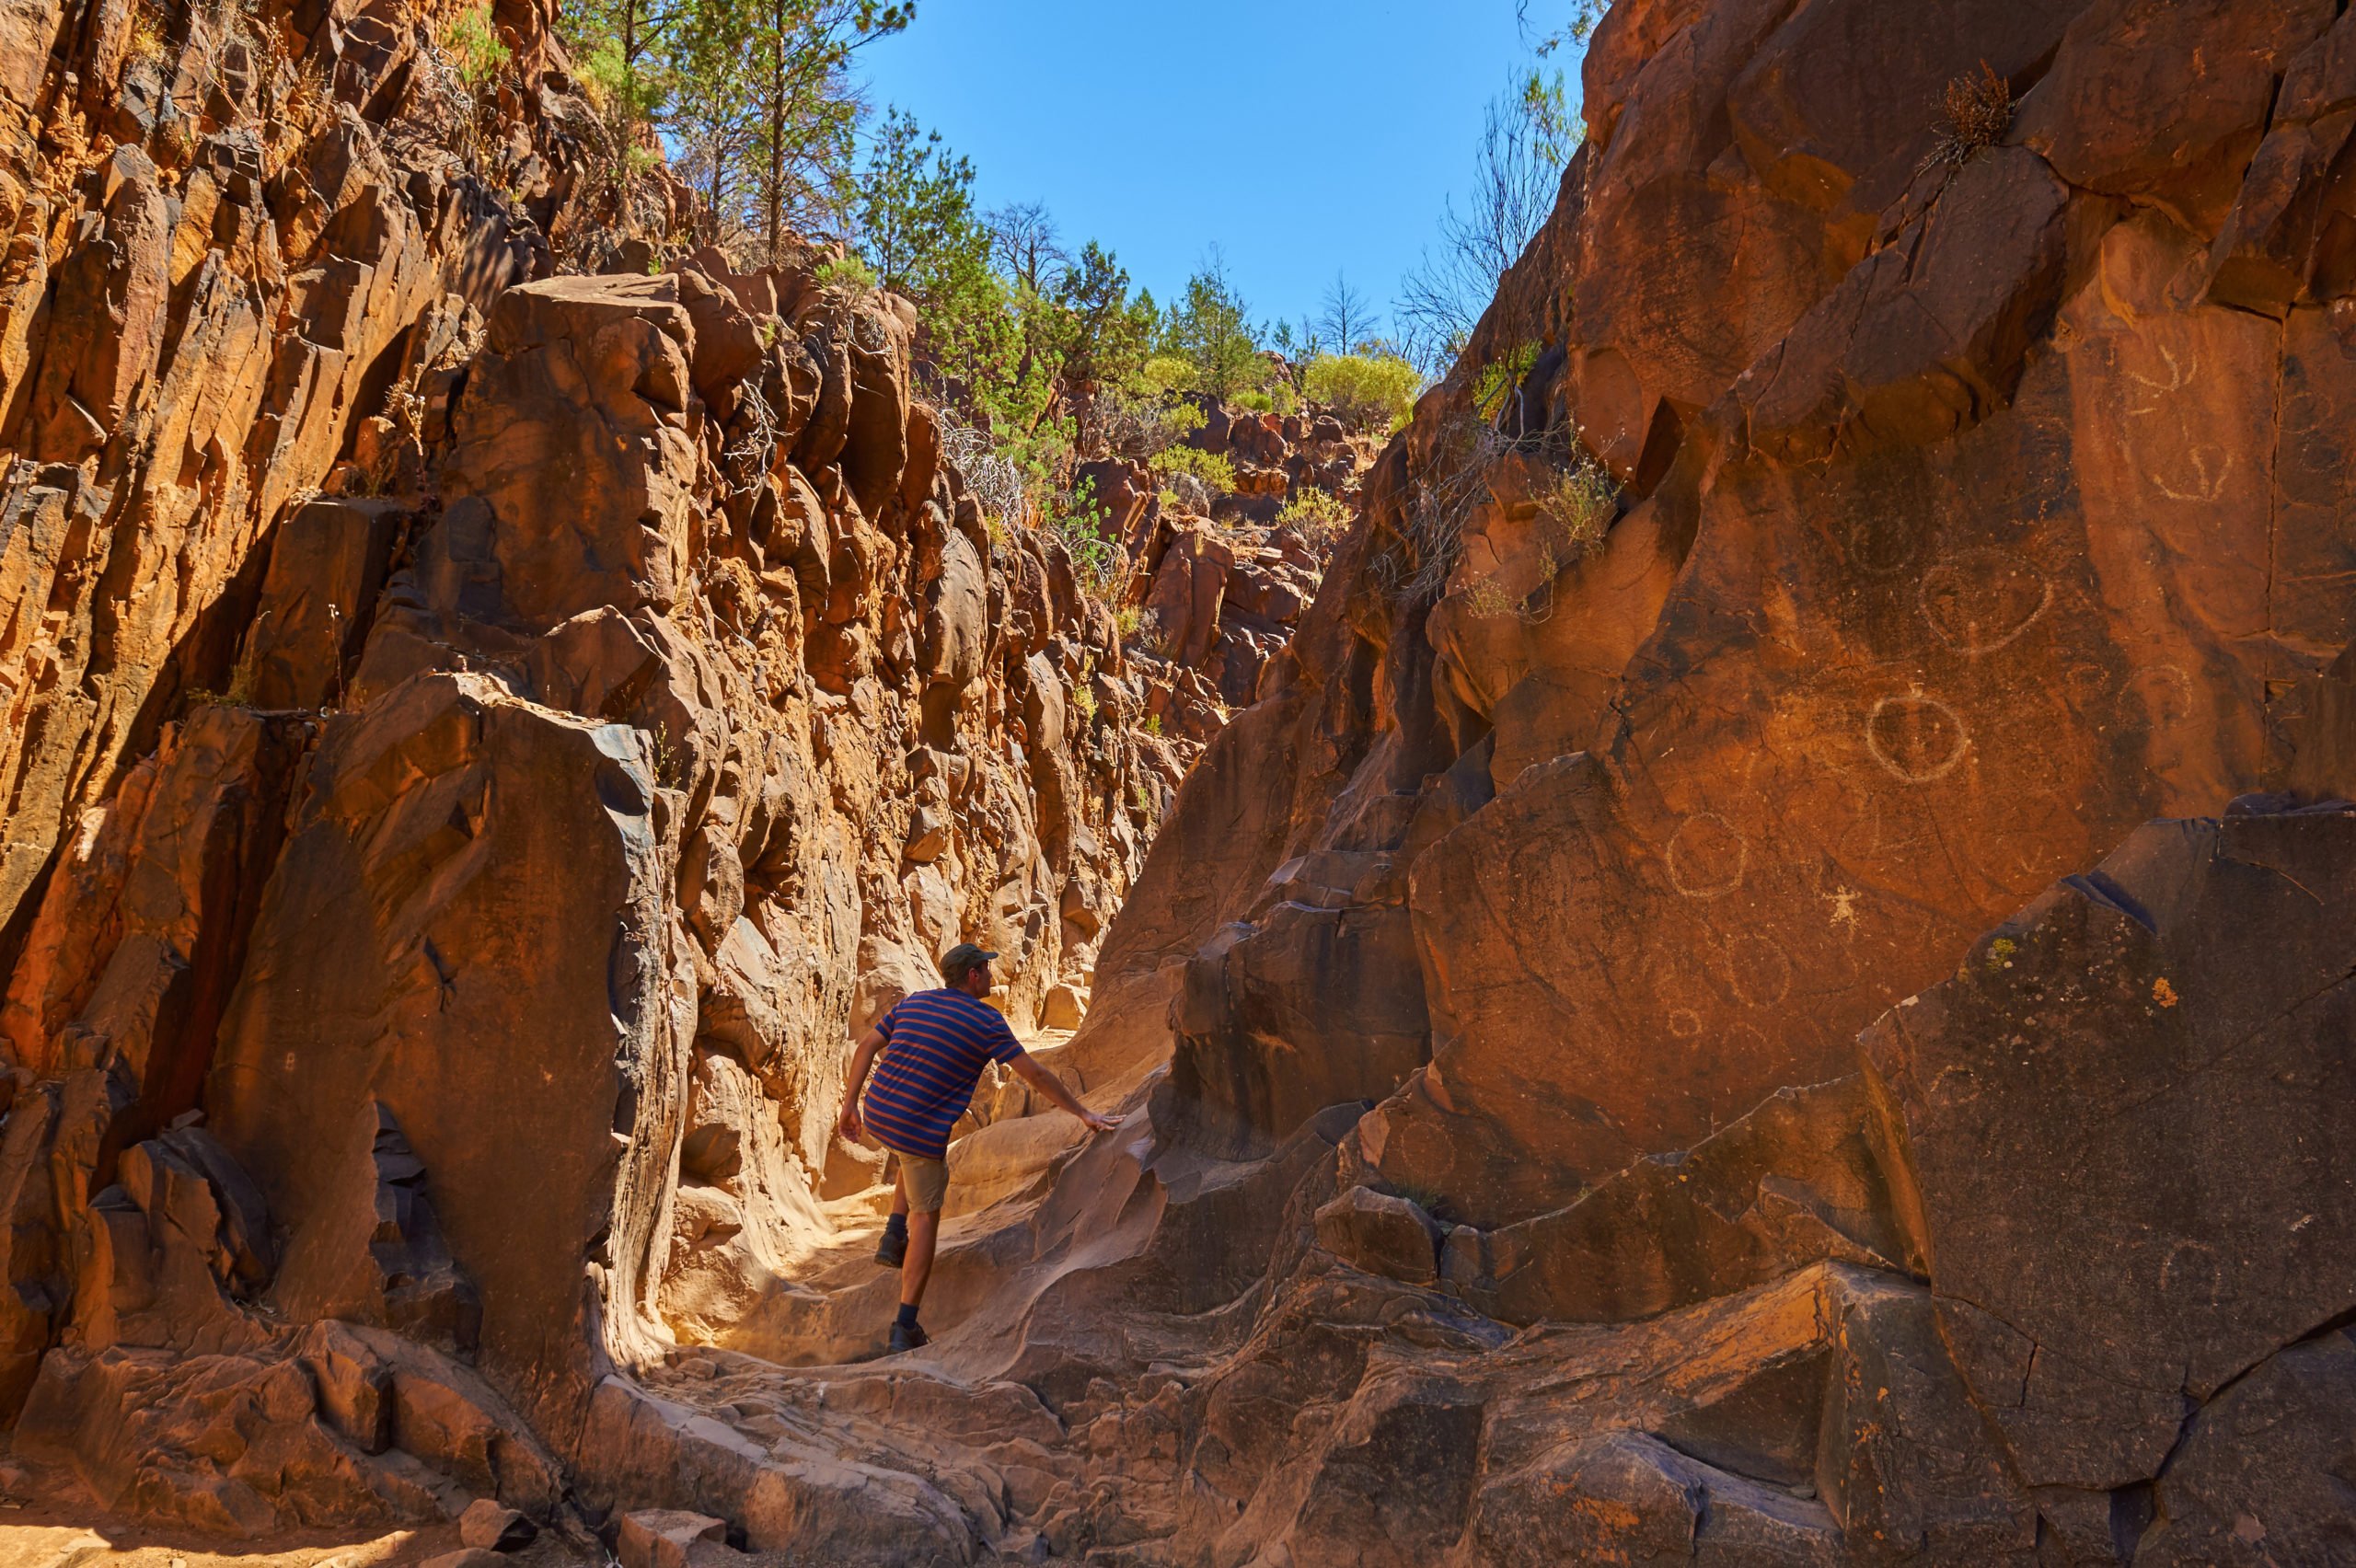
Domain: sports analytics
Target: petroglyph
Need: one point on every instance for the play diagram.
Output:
(1758, 970)
(1884, 542)
(2167, 694)
(2193, 1268)
(1983, 600)
(1917, 739)
(1706, 856)
(2083, 684)
(2211, 467)
(2178, 379)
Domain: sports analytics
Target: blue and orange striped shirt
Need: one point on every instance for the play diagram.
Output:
(935, 1046)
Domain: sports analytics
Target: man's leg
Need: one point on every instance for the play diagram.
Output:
(925, 1185)
(924, 1234)
(892, 1249)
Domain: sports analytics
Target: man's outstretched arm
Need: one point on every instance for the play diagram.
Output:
(862, 1061)
(1031, 1072)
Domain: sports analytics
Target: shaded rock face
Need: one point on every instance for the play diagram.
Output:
(1971, 514)
(2118, 1050)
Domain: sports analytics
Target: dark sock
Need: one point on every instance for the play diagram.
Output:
(907, 1315)
(897, 1226)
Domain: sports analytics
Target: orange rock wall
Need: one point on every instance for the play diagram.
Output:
(1974, 509)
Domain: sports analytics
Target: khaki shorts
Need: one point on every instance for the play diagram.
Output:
(924, 1180)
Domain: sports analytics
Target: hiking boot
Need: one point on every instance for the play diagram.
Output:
(906, 1337)
(892, 1250)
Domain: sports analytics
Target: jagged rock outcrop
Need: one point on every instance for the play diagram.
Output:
(480, 749)
(515, 988)
(1945, 559)
(1219, 585)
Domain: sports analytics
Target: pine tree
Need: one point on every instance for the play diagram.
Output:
(1210, 330)
(755, 97)
(913, 209)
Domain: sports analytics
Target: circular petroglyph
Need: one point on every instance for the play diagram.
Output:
(1983, 600)
(1917, 739)
(2167, 694)
(1758, 969)
(1684, 1024)
(1706, 856)
(1884, 540)
(2085, 684)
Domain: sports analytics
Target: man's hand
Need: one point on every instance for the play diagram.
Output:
(1026, 1067)
(855, 1084)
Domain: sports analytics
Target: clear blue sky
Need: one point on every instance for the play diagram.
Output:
(1300, 135)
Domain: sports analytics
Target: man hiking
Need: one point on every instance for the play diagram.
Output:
(935, 1045)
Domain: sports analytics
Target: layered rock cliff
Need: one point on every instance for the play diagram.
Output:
(1669, 1034)
(478, 749)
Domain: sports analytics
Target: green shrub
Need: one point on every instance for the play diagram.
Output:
(1500, 379)
(1369, 392)
(1577, 507)
(474, 47)
(847, 272)
(1315, 516)
(1216, 472)
(1257, 402)
(1096, 559)
(1168, 372)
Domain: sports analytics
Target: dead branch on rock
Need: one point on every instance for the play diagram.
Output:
(1976, 113)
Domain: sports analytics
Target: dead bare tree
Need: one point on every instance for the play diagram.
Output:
(1516, 173)
(1026, 245)
(1347, 318)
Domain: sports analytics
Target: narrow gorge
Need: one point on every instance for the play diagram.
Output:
(1753, 965)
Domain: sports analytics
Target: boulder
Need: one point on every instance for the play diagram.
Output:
(379, 890)
(1065, 1008)
(2150, 1051)
(513, 540)
(326, 569)
(665, 1538)
(1187, 593)
(1381, 1234)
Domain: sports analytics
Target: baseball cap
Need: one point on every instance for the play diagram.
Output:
(961, 960)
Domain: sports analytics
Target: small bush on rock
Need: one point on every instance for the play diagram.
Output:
(848, 273)
(1217, 474)
(1369, 392)
(1315, 516)
(1096, 559)
(1978, 112)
